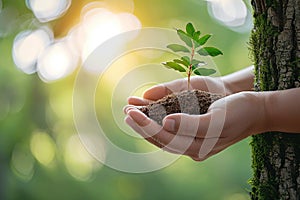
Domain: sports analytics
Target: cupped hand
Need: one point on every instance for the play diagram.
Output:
(227, 121)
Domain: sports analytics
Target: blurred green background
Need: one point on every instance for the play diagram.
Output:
(41, 156)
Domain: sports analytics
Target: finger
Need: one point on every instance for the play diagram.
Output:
(156, 92)
(137, 129)
(161, 90)
(129, 121)
(149, 126)
(127, 108)
(153, 140)
(137, 101)
(187, 125)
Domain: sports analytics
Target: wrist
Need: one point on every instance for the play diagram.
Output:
(227, 85)
(283, 110)
(259, 108)
(239, 81)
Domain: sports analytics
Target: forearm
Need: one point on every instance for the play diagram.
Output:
(240, 81)
(282, 110)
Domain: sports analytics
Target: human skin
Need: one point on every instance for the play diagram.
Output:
(240, 114)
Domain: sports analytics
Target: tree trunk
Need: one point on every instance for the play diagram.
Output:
(275, 46)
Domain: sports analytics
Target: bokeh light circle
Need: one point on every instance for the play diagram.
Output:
(56, 61)
(234, 14)
(46, 11)
(100, 24)
(27, 47)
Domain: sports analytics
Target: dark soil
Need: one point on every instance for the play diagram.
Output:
(192, 102)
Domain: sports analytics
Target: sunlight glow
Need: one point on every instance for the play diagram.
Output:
(80, 164)
(46, 11)
(57, 61)
(27, 47)
(43, 148)
(232, 13)
(129, 22)
(98, 24)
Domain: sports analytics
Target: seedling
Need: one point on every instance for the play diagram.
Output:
(194, 43)
(184, 101)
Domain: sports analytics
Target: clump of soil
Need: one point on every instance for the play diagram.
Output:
(193, 102)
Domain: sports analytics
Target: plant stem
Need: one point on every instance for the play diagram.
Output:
(190, 66)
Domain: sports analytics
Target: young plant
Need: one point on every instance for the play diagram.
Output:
(194, 43)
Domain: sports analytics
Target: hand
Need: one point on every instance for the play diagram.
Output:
(214, 85)
(227, 121)
(229, 84)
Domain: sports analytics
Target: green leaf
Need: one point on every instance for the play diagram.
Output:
(204, 39)
(184, 37)
(183, 62)
(204, 71)
(186, 59)
(194, 67)
(196, 44)
(178, 47)
(209, 51)
(174, 66)
(190, 29)
(196, 35)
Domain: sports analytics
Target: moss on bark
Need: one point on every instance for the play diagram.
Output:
(275, 46)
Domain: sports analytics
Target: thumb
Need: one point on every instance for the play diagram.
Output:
(188, 125)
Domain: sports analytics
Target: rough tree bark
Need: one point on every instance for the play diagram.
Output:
(275, 45)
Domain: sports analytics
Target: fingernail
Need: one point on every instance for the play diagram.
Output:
(169, 124)
(127, 108)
